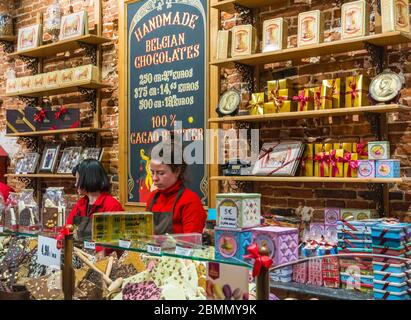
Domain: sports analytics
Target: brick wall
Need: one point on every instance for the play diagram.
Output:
(25, 12)
(280, 196)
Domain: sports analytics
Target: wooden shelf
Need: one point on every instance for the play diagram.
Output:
(61, 46)
(313, 114)
(308, 179)
(41, 176)
(228, 5)
(55, 132)
(62, 90)
(8, 38)
(383, 39)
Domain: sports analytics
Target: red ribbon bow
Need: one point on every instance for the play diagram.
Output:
(361, 149)
(317, 98)
(260, 260)
(322, 157)
(334, 85)
(352, 164)
(354, 93)
(302, 99)
(62, 111)
(65, 232)
(39, 117)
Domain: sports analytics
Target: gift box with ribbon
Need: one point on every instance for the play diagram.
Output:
(307, 163)
(256, 104)
(356, 91)
(337, 163)
(335, 85)
(17, 122)
(279, 84)
(305, 100)
(322, 97)
(280, 106)
(362, 149)
(351, 165)
(322, 159)
(53, 119)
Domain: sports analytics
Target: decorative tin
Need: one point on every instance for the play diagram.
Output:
(387, 169)
(310, 28)
(386, 87)
(379, 150)
(366, 169)
(282, 242)
(331, 216)
(395, 15)
(244, 40)
(275, 34)
(223, 44)
(355, 18)
(231, 244)
(238, 210)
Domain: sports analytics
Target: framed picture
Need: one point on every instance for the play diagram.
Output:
(29, 37)
(49, 159)
(74, 25)
(70, 158)
(92, 153)
(28, 163)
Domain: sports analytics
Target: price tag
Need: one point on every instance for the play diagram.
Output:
(154, 249)
(89, 245)
(47, 253)
(124, 244)
(228, 217)
(1, 229)
(186, 252)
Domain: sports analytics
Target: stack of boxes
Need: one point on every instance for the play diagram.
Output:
(392, 267)
(354, 237)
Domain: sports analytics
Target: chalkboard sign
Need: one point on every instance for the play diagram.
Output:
(165, 85)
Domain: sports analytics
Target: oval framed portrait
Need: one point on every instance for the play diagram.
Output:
(229, 103)
(386, 86)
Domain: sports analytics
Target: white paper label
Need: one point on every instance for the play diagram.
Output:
(124, 244)
(47, 253)
(228, 217)
(1, 229)
(186, 252)
(154, 249)
(89, 245)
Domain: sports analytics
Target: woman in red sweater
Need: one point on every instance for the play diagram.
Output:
(176, 208)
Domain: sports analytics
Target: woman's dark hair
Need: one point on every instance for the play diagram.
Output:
(175, 165)
(92, 176)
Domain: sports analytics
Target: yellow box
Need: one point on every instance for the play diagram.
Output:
(351, 167)
(307, 164)
(280, 94)
(337, 163)
(346, 146)
(321, 155)
(335, 85)
(361, 149)
(305, 100)
(395, 15)
(322, 98)
(356, 91)
(86, 73)
(279, 84)
(269, 107)
(288, 106)
(256, 104)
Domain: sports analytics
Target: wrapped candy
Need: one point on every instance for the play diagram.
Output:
(54, 208)
(28, 212)
(256, 104)
(11, 212)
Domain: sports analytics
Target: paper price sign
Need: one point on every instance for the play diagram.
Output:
(228, 216)
(1, 229)
(154, 250)
(89, 245)
(47, 253)
(186, 252)
(124, 244)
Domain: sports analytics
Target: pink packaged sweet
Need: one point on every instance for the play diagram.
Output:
(331, 216)
(281, 242)
(331, 272)
(315, 272)
(300, 272)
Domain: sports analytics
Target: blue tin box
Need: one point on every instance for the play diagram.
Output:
(392, 277)
(387, 169)
(347, 243)
(392, 286)
(231, 244)
(345, 234)
(392, 235)
(391, 267)
(284, 271)
(362, 280)
(356, 226)
(386, 295)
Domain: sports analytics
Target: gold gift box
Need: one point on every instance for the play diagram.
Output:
(305, 100)
(310, 28)
(355, 19)
(322, 98)
(335, 85)
(322, 150)
(283, 106)
(337, 170)
(275, 34)
(223, 44)
(361, 149)
(256, 104)
(244, 40)
(346, 146)
(308, 161)
(279, 84)
(280, 94)
(395, 15)
(356, 91)
(114, 226)
(349, 170)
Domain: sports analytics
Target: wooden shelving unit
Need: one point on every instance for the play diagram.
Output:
(55, 132)
(61, 46)
(340, 46)
(228, 5)
(8, 38)
(62, 90)
(308, 179)
(41, 176)
(342, 112)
